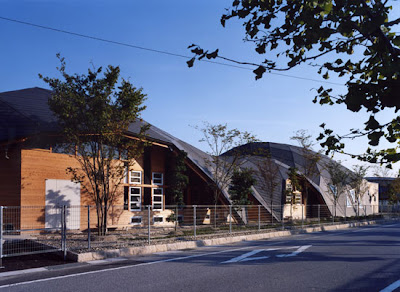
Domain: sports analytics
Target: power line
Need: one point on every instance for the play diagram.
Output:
(154, 50)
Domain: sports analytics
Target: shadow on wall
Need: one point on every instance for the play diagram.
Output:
(53, 209)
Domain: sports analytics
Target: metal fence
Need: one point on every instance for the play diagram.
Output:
(28, 230)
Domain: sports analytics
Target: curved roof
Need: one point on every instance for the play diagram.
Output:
(311, 164)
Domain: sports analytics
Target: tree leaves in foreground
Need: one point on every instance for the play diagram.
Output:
(352, 39)
(93, 113)
(240, 187)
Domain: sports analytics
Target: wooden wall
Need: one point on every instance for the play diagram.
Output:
(10, 176)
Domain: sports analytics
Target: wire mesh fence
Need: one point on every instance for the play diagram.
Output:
(37, 229)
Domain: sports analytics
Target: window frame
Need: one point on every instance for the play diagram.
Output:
(130, 177)
(162, 178)
(153, 195)
(141, 220)
(140, 199)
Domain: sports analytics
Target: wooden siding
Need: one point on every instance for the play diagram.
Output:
(10, 177)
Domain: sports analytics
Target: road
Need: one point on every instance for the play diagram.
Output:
(358, 259)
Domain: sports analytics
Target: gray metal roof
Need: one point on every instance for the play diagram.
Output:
(26, 112)
(285, 156)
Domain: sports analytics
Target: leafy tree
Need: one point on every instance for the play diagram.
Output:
(338, 181)
(359, 184)
(220, 139)
(177, 182)
(394, 192)
(269, 173)
(240, 186)
(295, 185)
(93, 114)
(353, 39)
(178, 179)
(310, 160)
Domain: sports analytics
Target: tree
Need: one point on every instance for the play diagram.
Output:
(178, 179)
(310, 160)
(337, 182)
(240, 186)
(352, 39)
(93, 116)
(394, 192)
(359, 184)
(269, 173)
(220, 139)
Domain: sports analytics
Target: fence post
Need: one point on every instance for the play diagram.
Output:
(319, 214)
(302, 215)
(88, 226)
(148, 224)
(333, 216)
(345, 211)
(230, 219)
(194, 221)
(259, 217)
(65, 231)
(283, 218)
(1, 237)
(61, 227)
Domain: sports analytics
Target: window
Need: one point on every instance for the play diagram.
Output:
(135, 196)
(157, 178)
(157, 199)
(158, 219)
(136, 220)
(351, 198)
(135, 177)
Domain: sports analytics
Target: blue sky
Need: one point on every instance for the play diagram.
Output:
(179, 97)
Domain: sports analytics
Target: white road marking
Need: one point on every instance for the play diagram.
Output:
(166, 260)
(295, 253)
(392, 287)
(131, 266)
(243, 256)
(247, 256)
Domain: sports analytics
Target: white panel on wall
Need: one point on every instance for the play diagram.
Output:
(60, 193)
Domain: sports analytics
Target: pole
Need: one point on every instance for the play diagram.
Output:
(345, 211)
(230, 219)
(65, 231)
(1, 237)
(302, 215)
(61, 227)
(88, 226)
(259, 217)
(148, 224)
(283, 218)
(194, 221)
(319, 214)
(333, 214)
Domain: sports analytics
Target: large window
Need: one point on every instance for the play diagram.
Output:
(135, 177)
(157, 199)
(135, 196)
(158, 178)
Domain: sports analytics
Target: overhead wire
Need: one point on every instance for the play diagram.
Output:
(154, 50)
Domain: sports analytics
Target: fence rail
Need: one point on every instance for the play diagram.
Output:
(37, 229)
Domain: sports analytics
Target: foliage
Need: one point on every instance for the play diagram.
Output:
(352, 39)
(311, 158)
(220, 139)
(358, 183)
(269, 173)
(178, 179)
(294, 178)
(240, 187)
(93, 116)
(338, 180)
(394, 192)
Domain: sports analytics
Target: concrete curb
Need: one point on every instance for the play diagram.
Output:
(142, 250)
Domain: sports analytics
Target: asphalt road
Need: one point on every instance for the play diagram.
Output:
(359, 259)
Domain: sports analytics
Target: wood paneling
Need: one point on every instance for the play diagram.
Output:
(10, 176)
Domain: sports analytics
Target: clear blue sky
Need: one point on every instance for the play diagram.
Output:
(272, 108)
